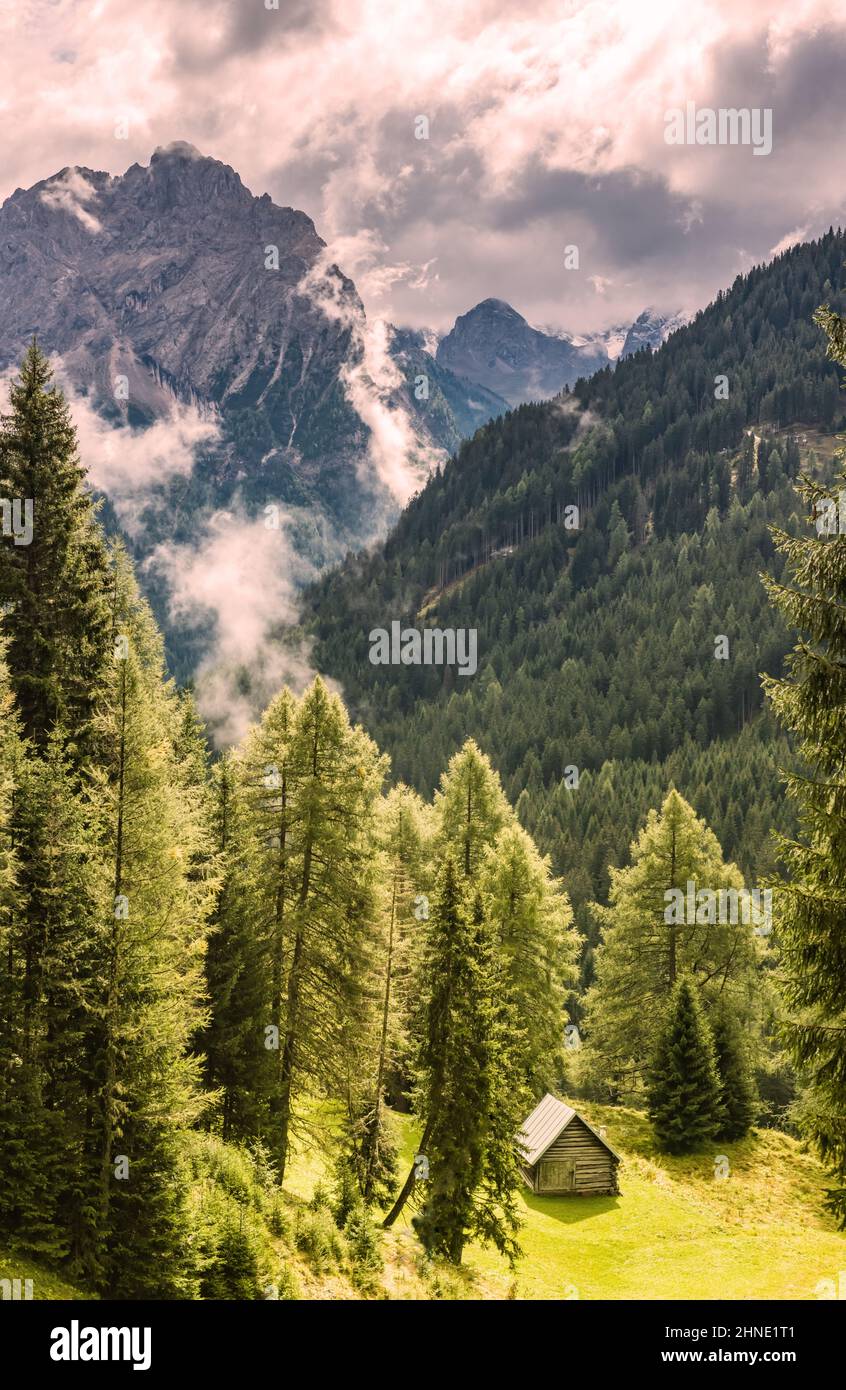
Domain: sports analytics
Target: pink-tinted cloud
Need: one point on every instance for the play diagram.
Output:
(552, 112)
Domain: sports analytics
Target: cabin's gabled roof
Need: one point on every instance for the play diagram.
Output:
(549, 1117)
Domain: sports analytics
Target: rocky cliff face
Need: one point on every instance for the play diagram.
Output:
(173, 283)
(161, 274)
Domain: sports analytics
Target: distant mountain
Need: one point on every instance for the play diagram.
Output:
(651, 329)
(495, 347)
(609, 340)
(454, 408)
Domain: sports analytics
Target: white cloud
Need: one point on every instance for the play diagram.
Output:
(70, 191)
(129, 465)
(370, 377)
(790, 239)
(240, 577)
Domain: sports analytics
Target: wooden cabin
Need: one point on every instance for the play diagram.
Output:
(561, 1153)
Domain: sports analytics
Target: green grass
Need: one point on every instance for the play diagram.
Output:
(675, 1231)
(45, 1283)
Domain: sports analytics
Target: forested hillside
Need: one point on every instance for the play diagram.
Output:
(601, 681)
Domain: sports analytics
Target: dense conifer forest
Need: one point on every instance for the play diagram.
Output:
(597, 642)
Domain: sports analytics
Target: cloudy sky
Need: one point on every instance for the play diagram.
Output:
(546, 126)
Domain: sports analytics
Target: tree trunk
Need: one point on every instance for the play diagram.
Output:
(110, 1079)
(383, 1049)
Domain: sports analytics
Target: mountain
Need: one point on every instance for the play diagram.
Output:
(608, 341)
(225, 379)
(494, 347)
(597, 631)
(651, 329)
(177, 278)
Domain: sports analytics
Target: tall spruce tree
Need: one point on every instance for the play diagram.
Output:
(470, 1096)
(683, 1087)
(50, 999)
(810, 701)
(738, 1096)
(469, 1104)
(53, 589)
(54, 614)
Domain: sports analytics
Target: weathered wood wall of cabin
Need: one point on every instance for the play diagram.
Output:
(596, 1171)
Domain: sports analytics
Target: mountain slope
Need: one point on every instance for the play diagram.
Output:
(597, 645)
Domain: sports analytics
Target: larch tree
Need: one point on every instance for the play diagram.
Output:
(334, 775)
(153, 835)
(235, 1060)
(403, 910)
(470, 808)
(532, 922)
(651, 937)
(260, 909)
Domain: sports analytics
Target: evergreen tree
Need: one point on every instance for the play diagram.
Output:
(236, 1062)
(810, 701)
(470, 1107)
(469, 1095)
(738, 1096)
(257, 916)
(402, 826)
(50, 987)
(470, 807)
(234, 1273)
(311, 783)
(53, 589)
(684, 1088)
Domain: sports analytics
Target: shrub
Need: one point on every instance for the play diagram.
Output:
(234, 1272)
(320, 1199)
(347, 1195)
(318, 1239)
(363, 1242)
